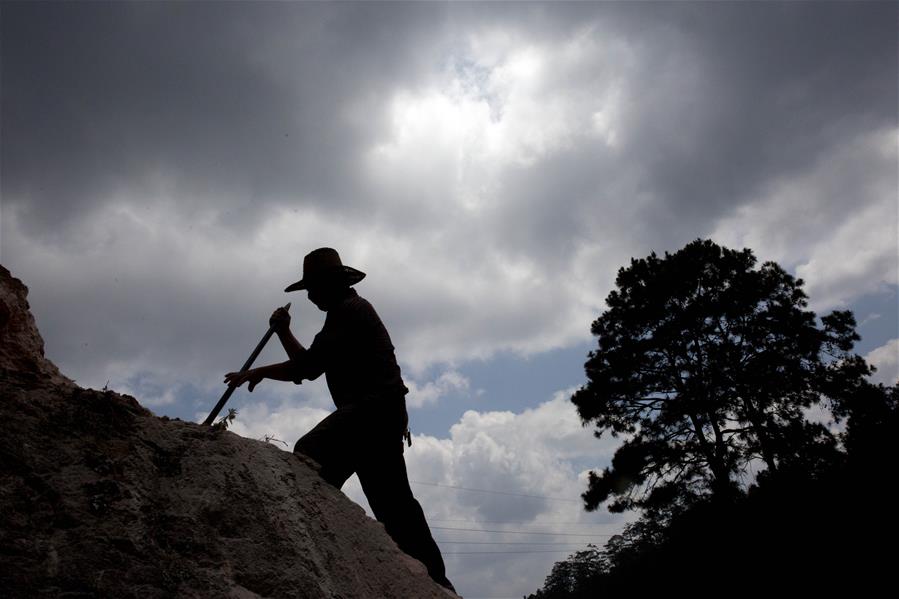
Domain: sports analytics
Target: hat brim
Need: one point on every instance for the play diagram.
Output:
(351, 275)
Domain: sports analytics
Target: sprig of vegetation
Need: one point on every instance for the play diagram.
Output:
(226, 420)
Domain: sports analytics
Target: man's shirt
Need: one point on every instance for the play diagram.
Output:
(354, 352)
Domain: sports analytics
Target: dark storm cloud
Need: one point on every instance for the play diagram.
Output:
(242, 104)
(234, 103)
(777, 85)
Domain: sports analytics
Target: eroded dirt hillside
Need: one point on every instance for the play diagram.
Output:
(100, 498)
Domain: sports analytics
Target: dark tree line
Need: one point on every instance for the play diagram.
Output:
(754, 447)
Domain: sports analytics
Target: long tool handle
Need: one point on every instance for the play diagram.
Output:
(246, 366)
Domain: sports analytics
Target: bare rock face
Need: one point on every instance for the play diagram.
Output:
(100, 498)
(21, 346)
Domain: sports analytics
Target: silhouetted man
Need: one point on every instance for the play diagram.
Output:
(365, 434)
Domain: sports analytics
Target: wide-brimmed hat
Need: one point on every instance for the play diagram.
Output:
(322, 264)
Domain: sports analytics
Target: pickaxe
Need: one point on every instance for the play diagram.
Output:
(246, 366)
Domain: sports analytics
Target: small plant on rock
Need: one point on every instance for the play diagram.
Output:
(225, 420)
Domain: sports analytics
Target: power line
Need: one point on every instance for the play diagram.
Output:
(508, 493)
(506, 552)
(508, 543)
(522, 532)
(520, 522)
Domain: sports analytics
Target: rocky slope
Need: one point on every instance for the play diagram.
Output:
(100, 498)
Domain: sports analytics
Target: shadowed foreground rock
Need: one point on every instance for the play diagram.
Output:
(100, 498)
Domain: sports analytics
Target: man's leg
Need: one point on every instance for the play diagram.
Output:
(382, 473)
(327, 444)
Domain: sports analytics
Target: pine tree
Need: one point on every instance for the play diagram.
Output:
(707, 366)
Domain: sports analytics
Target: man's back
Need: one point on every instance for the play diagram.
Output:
(354, 351)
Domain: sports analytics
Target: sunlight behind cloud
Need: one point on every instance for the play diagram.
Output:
(507, 108)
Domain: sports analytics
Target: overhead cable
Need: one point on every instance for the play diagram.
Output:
(522, 532)
(505, 552)
(508, 493)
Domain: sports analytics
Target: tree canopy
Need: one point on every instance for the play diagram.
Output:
(707, 365)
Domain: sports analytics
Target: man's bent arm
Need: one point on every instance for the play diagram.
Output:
(295, 350)
(280, 321)
(279, 372)
(283, 371)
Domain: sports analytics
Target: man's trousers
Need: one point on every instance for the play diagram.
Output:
(366, 439)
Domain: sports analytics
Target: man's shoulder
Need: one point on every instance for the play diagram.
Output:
(357, 306)
(361, 305)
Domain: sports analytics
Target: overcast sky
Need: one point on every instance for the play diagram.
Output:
(165, 167)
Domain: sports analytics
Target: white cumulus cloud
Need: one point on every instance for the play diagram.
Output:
(886, 359)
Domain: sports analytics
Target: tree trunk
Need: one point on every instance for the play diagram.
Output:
(720, 475)
(755, 419)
